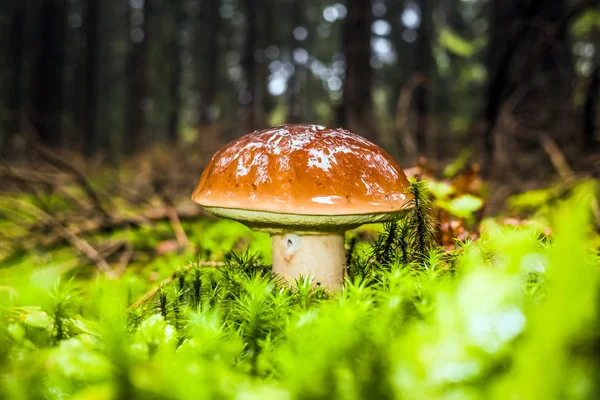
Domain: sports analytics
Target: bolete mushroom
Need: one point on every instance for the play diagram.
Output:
(305, 185)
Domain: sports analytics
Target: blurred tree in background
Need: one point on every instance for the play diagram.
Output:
(419, 77)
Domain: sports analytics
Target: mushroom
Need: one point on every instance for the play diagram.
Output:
(305, 185)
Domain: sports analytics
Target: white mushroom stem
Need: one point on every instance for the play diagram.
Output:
(321, 257)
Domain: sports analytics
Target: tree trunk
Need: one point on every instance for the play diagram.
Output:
(423, 61)
(89, 110)
(47, 82)
(356, 109)
(295, 111)
(14, 98)
(249, 65)
(505, 31)
(178, 16)
(590, 110)
(402, 82)
(529, 53)
(264, 34)
(207, 57)
(137, 78)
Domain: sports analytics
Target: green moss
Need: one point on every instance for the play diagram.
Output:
(517, 317)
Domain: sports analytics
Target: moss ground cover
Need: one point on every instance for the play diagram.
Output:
(513, 314)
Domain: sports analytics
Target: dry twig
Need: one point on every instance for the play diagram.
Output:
(124, 259)
(78, 243)
(7, 172)
(401, 123)
(146, 217)
(56, 160)
(180, 235)
(557, 157)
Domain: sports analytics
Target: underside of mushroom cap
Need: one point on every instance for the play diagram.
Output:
(306, 224)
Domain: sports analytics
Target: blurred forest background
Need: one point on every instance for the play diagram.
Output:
(504, 79)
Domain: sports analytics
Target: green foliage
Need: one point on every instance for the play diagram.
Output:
(507, 316)
(459, 163)
(587, 23)
(445, 197)
(459, 45)
(540, 204)
(533, 199)
(462, 206)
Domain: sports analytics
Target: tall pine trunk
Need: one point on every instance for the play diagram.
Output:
(207, 56)
(248, 94)
(529, 55)
(178, 16)
(356, 112)
(590, 108)
(295, 111)
(89, 110)
(13, 102)
(423, 62)
(261, 94)
(137, 78)
(47, 84)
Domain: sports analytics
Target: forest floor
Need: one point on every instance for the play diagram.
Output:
(70, 231)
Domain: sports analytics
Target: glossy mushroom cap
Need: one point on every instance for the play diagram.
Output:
(302, 176)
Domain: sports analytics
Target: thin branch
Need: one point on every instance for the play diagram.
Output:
(500, 71)
(7, 172)
(401, 125)
(557, 157)
(124, 259)
(147, 217)
(559, 161)
(555, 154)
(180, 235)
(78, 243)
(56, 160)
(53, 158)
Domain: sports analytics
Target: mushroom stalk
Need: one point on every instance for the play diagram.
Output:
(320, 257)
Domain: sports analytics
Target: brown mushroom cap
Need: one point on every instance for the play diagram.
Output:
(302, 170)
